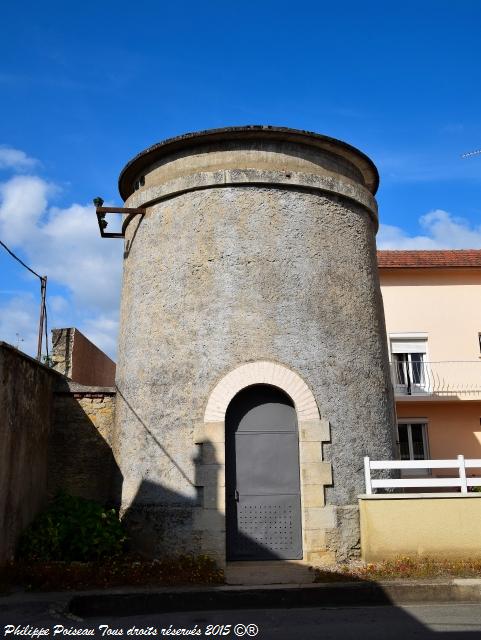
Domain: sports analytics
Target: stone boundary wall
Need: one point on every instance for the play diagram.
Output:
(25, 423)
(54, 434)
(80, 455)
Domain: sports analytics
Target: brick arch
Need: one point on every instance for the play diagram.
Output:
(261, 372)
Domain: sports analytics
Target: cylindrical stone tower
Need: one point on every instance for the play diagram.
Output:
(253, 369)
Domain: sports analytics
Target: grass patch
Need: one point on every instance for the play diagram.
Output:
(116, 572)
(401, 568)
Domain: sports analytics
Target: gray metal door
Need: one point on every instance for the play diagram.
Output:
(263, 501)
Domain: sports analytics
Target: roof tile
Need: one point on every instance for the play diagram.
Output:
(446, 259)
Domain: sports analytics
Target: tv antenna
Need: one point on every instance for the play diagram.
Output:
(470, 154)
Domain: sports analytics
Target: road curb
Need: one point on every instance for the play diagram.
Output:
(321, 595)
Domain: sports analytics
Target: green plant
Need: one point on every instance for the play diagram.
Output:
(73, 529)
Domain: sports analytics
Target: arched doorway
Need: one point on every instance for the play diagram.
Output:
(263, 500)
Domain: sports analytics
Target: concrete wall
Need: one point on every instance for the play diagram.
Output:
(80, 360)
(80, 456)
(443, 527)
(255, 249)
(445, 304)
(25, 422)
(453, 428)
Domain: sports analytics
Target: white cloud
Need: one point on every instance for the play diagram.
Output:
(65, 245)
(441, 231)
(102, 331)
(68, 248)
(23, 200)
(19, 322)
(58, 305)
(11, 158)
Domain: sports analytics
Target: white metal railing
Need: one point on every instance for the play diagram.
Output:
(461, 480)
(440, 378)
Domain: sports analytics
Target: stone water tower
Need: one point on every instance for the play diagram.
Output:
(253, 369)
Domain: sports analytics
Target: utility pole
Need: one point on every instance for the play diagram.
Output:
(43, 294)
(43, 306)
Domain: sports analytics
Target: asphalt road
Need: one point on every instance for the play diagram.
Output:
(442, 621)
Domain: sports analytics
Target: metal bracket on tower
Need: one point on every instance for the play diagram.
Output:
(101, 212)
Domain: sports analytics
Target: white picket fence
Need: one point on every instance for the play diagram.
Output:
(461, 480)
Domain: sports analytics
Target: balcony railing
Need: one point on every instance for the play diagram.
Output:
(448, 378)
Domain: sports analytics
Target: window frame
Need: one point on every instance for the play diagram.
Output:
(424, 422)
(418, 388)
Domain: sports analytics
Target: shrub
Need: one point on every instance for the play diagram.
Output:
(73, 529)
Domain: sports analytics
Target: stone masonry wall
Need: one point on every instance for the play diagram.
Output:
(62, 347)
(256, 244)
(247, 274)
(54, 434)
(80, 457)
(25, 420)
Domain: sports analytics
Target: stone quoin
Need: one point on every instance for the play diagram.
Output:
(253, 370)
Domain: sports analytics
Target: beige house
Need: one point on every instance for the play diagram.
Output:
(432, 304)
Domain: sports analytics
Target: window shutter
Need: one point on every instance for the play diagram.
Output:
(408, 346)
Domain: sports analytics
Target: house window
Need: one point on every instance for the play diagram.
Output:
(412, 440)
(408, 362)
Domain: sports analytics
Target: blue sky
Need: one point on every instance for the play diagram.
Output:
(85, 86)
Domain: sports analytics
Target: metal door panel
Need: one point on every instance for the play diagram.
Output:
(267, 463)
(268, 528)
(269, 416)
(263, 502)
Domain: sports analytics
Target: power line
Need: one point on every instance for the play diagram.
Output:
(21, 261)
(43, 306)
